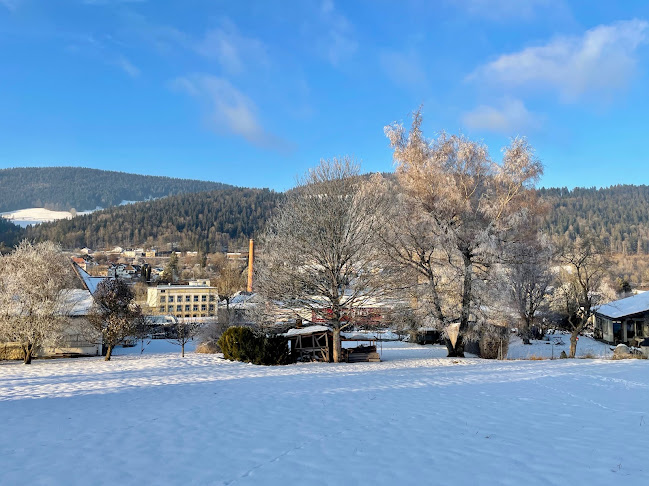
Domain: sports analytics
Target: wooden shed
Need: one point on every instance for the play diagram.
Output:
(311, 343)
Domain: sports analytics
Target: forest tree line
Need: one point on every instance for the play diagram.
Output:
(212, 221)
(208, 221)
(65, 188)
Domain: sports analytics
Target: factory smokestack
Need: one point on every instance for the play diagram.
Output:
(251, 259)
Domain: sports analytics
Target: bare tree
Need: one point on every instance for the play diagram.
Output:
(466, 208)
(319, 252)
(33, 279)
(230, 280)
(584, 266)
(529, 278)
(114, 316)
(185, 331)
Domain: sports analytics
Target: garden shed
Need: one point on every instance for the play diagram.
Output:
(311, 343)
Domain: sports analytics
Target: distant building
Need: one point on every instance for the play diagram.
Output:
(197, 299)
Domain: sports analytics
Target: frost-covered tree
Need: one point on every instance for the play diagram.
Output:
(462, 207)
(319, 254)
(33, 281)
(229, 281)
(114, 315)
(528, 281)
(584, 266)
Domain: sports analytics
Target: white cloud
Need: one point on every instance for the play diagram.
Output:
(232, 50)
(403, 68)
(601, 60)
(510, 118)
(127, 66)
(230, 111)
(336, 39)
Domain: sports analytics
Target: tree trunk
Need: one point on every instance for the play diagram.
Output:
(338, 350)
(28, 353)
(182, 350)
(458, 349)
(573, 343)
(449, 348)
(109, 351)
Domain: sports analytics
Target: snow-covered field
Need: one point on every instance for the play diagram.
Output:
(415, 418)
(25, 217)
(554, 344)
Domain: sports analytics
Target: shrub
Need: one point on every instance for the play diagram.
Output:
(208, 347)
(628, 356)
(275, 351)
(494, 346)
(242, 344)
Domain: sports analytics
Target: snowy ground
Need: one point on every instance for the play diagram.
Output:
(25, 217)
(554, 344)
(415, 418)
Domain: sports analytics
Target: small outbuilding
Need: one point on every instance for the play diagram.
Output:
(623, 321)
(311, 343)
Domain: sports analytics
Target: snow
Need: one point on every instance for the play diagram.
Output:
(76, 302)
(25, 217)
(415, 418)
(306, 330)
(553, 346)
(625, 307)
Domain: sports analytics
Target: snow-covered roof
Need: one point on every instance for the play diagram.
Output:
(625, 307)
(76, 302)
(306, 330)
(89, 281)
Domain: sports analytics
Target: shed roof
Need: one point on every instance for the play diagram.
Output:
(625, 307)
(307, 330)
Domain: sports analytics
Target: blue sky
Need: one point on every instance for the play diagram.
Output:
(253, 93)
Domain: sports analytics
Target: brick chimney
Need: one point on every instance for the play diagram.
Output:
(251, 259)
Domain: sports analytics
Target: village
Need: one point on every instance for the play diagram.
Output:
(324, 242)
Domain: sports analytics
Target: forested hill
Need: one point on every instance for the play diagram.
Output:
(64, 188)
(206, 221)
(619, 215)
(10, 234)
(216, 220)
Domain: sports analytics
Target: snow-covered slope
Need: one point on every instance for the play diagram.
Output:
(25, 217)
(415, 418)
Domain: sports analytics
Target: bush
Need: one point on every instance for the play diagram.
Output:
(494, 346)
(208, 347)
(242, 344)
(275, 351)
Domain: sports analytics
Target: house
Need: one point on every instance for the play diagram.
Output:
(623, 321)
(89, 282)
(76, 339)
(80, 261)
(197, 299)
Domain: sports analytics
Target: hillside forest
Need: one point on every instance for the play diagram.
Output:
(65, 188)
(226, 218)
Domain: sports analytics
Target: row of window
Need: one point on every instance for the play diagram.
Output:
(179, 308)
(188, 298)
